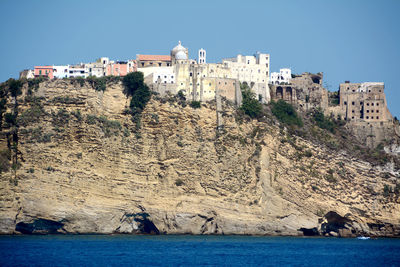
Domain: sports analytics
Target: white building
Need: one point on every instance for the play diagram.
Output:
(161, 75)
(60, 71)
(281, 77)
(77, 71)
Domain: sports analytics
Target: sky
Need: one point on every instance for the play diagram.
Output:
(347, 40)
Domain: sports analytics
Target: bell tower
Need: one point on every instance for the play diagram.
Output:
(202, 56)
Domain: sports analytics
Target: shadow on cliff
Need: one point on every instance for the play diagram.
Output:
(40, 226)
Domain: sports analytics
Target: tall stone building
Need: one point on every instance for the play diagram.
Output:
(363, 102)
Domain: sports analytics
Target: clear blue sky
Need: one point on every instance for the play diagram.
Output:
(347, 40)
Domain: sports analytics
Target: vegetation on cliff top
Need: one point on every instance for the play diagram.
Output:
(250, 105)
(286, 113)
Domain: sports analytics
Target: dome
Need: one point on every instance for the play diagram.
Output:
(180, 55)
(177, 49)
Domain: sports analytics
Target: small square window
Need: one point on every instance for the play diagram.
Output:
(372, 104)
(353, 103)
(367, 117)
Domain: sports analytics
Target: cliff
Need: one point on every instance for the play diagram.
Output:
(84, 168)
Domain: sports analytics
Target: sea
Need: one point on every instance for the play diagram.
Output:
(186, 250)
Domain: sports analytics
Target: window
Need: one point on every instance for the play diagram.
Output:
(352, 111)
(159, 76)
(181, 83)
(345, 102)
(367, 104)
(209, 84)
(372, 117)
(361, 103)
(191, 74)
(142, 64)
(352, 118)
(367, 110)
(172, 81)
(165, 76)
(354, 90)
(353, 103)
(40, 72)
(377, 117)
(377, 111)
(367, 117)
(172, 76)
(168, 64)
(377, 104)
(165, 81)
(151, 63)
(159, 64)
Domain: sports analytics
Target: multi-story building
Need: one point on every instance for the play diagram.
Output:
(43, 71)
(281, 77)
(61, 71)
(77, 71)
(202, 81)
(363, 101)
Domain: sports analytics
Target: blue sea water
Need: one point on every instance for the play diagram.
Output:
(127, 250)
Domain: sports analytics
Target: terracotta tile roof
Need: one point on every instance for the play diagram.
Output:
(154, 57)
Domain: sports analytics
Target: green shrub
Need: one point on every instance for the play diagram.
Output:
(195, 104)
(77, 114)
(386, 190)
(31, 115)
(10, 119)
(323, 122)
(179, 182)
(250, 104)
(5, 157)
(286, 113)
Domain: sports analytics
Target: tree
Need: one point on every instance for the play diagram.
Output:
(250, 104)
(15, 87)
(132, 82)
(286, 113)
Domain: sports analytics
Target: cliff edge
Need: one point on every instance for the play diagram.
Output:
(85, 168)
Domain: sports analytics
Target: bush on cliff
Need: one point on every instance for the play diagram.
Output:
(250, 104)
(323, 122)
(135, 87)
(286, 113)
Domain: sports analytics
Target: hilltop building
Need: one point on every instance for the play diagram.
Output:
(102, 67)
(201, 81)
(27, 74)
(281, 77)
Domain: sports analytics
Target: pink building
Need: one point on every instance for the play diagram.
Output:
(121, 68)
(44, 71)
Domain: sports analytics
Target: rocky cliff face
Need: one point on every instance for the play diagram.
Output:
(84, 169)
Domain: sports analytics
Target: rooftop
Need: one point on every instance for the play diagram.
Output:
(154, 57)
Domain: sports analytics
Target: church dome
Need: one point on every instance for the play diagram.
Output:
(179, 49)
(180, 55)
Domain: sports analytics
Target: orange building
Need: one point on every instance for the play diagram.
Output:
(153, 61)
(44, 71)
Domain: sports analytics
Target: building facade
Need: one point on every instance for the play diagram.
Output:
(363, 101)
(43, 71)
(144, 61)
(282, 77)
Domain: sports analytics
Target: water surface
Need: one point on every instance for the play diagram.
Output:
(120, 250)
